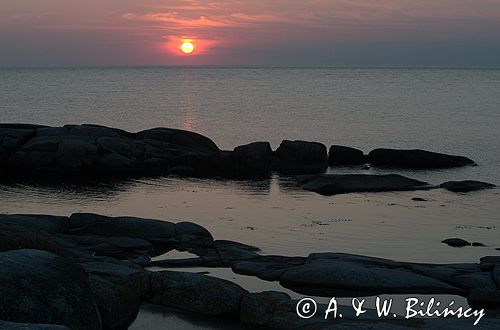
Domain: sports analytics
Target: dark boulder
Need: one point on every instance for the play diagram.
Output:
(415, 159)
(466, 186)
(40, 287)
(301, 157)
(340, 155)
(254, 159)
(331, 184)
(456, 242)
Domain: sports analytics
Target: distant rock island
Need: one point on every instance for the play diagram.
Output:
(33, 150)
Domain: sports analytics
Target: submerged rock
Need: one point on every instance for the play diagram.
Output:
(331, 184)
(301, 157)
(341, 155)
(466, 186)
(415, 159)
(40, 287)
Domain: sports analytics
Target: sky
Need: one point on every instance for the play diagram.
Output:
(420, 33)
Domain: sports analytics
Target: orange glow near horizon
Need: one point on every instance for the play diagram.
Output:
(187, 46)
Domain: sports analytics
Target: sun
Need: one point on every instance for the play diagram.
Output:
(187, 47)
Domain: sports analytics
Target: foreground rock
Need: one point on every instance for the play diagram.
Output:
(332, 184)
(105, 290)
(40, 287)
(196, 293)
(340, 155)
(415, 159)
(466, 186)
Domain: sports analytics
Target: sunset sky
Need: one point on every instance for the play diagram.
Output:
(253, 32)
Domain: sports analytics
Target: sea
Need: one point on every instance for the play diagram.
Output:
(446, 110)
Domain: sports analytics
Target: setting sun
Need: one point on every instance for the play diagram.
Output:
(187, 47)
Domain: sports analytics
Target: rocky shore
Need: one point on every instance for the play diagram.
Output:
(89, 271)
(35, 150)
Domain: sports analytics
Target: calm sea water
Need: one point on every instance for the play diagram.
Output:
(455, 111)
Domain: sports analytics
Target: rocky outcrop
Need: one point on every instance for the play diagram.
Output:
(332, 184)
(40, 287)
(341, 155)
(415, 159)
(466, 186)
(301, 157)
(94, 290)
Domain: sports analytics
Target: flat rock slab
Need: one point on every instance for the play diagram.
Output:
(332, 184)
(466, 186)
(339, 278)
(415, 159)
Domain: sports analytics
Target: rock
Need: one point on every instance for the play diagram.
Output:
(115, 247)
(456, 242)
(118, 305)
(196, 293)
(122, 273)
(269, 268)
(94, 131)
(254, 159)
(496, 276)
(223, 164)
(40, 287)
(301, 157)
(340, 155)
(41, 240)
(33, 223)
(477, 244)
(181, 170)
(484, 298)
(339, 278)
(230, 252)
(161, 233)
(466, 186)
(75, 154)
(415, 159)
(419, 199)
(190, 234)
(30, 326)
(331, 184)
(13, 138)
(190, 140)
(258, 308)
